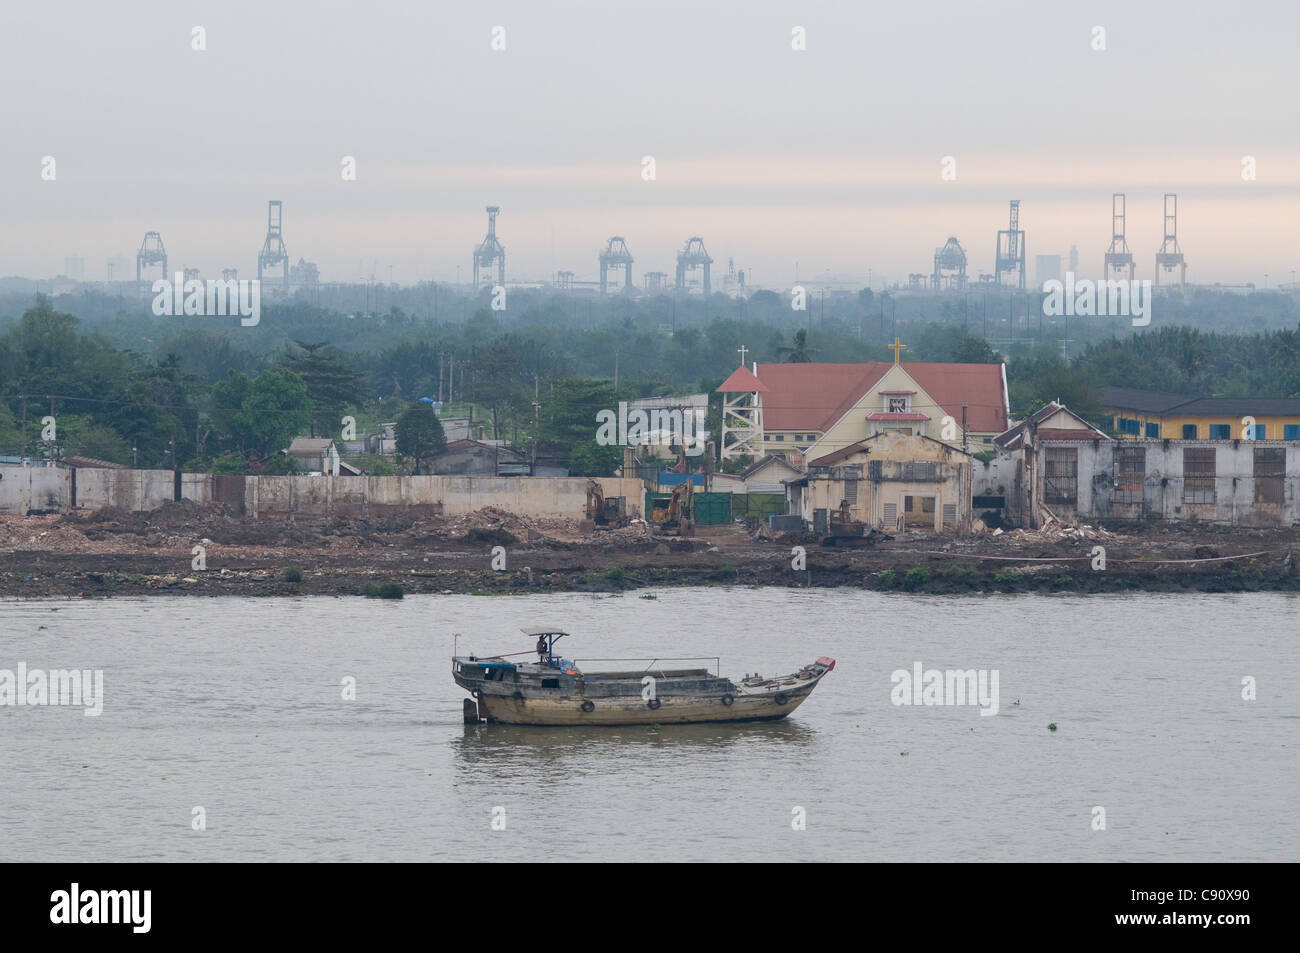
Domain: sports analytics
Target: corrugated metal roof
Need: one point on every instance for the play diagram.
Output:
(90, 463)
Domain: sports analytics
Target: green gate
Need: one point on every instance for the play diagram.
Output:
(711, 509)
(758, 505)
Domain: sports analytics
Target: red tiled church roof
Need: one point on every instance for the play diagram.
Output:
(815, 396)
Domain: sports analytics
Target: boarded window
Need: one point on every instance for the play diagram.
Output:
(1270, 470)
(1130, 471)
(921, 471)
(919, 510)
(950, 514)
(891, 512)
(1198, 474)
(1189, 431)
(1061, 475)
(851, 492)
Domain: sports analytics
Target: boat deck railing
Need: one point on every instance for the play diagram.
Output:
(653, 663)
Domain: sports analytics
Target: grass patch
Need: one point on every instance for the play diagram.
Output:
(382, 590)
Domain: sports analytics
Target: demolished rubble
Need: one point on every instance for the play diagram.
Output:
(85, 553)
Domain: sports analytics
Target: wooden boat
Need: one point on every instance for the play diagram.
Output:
(556, 691)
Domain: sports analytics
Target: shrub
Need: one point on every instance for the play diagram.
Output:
(916, 578)
(386, 590)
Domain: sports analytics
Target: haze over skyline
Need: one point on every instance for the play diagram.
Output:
(830, 156)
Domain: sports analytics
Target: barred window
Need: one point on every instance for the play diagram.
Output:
(1130, 472)
(1198, 474)
(1270, 471)
(1061, 475)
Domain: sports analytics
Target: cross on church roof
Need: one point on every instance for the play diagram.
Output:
(742, 350)
(897, 349)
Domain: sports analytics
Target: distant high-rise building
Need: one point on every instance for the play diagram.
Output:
(1074, 259)
(74, 267)
(1047, 268)
(118, 268)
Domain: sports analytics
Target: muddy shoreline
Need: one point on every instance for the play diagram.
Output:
(112, 553)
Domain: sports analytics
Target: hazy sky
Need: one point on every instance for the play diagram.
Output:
(828, 156)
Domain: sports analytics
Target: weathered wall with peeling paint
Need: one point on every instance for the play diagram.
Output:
(1236, 499)
(885, 476)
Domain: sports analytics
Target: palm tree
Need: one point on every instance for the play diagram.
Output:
(801, 353)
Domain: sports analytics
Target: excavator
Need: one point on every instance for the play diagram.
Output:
(675, 516)
(603, 513)
(844, 530)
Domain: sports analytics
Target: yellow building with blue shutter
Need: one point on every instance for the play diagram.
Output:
(1137, 414)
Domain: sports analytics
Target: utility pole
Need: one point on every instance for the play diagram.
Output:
(963, 427)
(532, 470)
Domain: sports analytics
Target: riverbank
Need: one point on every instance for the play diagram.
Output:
(205, 550)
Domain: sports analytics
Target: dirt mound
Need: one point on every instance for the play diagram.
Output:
(492, 537)
(109, 514)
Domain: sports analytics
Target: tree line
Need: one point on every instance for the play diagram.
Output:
(161, 393)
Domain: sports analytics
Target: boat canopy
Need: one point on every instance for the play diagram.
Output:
(543, 630)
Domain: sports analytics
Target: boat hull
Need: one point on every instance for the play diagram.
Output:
(505, 709)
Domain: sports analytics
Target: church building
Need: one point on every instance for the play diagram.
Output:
(806, 411)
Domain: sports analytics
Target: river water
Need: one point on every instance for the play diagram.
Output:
(236, 706)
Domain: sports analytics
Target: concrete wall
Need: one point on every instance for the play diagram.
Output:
(137, 489)
(26, 490)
